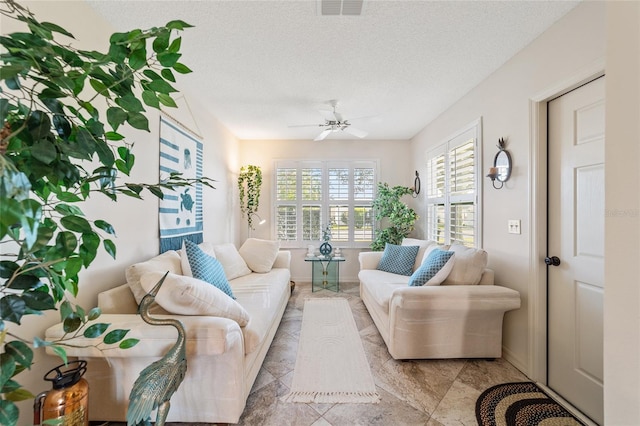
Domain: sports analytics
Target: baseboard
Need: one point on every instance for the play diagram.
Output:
(515, 361)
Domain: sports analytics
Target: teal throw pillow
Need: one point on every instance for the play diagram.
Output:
(398, 259)
(434, 263)
(207, 268)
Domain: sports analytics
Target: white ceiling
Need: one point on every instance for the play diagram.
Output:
(261, 66)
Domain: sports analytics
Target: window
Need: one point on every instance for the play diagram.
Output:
(312, 194)
(453, 172)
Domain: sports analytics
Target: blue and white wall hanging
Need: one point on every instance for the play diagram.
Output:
(180, 211)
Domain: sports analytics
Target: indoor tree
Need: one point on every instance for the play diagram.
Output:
(61, 113)
(396, 217)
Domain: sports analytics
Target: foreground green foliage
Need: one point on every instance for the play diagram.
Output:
(395, 218)
(61, 110)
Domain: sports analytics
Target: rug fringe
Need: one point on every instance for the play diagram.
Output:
(333, 397)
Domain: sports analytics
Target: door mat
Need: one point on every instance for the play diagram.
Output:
(521, 404)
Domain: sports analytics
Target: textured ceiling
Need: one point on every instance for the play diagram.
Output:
(261, 66)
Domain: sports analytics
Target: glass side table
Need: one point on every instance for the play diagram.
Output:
(325, 272)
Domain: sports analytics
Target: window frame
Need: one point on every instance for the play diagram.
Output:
(351, 201)
(446, 198)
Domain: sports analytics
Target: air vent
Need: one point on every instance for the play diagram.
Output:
(341, 7)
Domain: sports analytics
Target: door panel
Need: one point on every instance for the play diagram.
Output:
(576, 236)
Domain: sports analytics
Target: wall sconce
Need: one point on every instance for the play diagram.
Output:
(501, 170)
(416, 185)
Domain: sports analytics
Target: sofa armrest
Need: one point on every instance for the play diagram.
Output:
(369, 259)
(205, 336)
(118, 300)
(283, 260)
(488, 277)
(455, 298)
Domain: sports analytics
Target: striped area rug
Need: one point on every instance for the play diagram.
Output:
(521, 404)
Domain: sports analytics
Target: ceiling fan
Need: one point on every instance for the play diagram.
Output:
(334, 122)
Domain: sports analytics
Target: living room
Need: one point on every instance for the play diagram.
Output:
(591, 38)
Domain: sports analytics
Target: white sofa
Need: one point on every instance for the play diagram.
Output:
(223, 357)
(450, 320)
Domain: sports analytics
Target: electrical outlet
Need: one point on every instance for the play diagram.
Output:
(514, 226)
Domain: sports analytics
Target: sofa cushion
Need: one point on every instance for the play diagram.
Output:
(381, 285)
(190, 296)
(184, 260)
(434, 269)
(259, 254)
(468, 267)
(398, 259)
(260, 295)
(207, 268)
(423, 244)
(167, 261)
(233, 264)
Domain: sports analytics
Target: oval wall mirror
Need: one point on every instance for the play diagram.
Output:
(502, 162)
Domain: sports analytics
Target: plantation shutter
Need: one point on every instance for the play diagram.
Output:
(286, 203)
(313, 194)
(452, 190)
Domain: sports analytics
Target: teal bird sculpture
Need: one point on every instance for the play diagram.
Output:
(159, 381)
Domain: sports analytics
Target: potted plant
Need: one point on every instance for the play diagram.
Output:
(396, 215)
(249, 182)
(59, 147)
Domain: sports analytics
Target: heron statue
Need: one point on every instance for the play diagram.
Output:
(159, 381)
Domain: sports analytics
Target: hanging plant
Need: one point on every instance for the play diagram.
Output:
(399, 217)
(249, 183)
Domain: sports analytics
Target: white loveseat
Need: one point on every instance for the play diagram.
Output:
(223, 357)
(449, 320)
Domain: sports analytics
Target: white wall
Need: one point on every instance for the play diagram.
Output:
(622, 220)
(394, 169)
(502, 100)
(135, 221)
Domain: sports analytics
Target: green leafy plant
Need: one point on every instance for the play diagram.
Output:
(391, 211)
(54, 125)
(249, 182)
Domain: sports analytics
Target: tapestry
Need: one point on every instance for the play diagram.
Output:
(180, 211)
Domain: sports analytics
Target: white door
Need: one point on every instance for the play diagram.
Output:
(576, 238)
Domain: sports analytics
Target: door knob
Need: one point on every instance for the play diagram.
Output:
(552, 261)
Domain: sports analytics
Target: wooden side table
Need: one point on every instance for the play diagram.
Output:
(325, 273)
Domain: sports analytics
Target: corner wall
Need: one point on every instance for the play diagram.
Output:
(135, 221)
(502, 100)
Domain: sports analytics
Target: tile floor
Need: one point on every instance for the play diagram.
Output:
(424, 392)
(420, 392)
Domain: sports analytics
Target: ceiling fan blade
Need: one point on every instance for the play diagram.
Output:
(337, 116)
(323, 135)
(356, 132)
(306, 125)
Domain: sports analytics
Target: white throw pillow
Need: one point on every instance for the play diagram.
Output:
(259, 254)
(233, 264)
(167, 261)
(469, 265)
(184, 260)
(190, 296)
(423, 244)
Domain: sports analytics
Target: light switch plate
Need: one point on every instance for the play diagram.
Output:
(514, 226)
